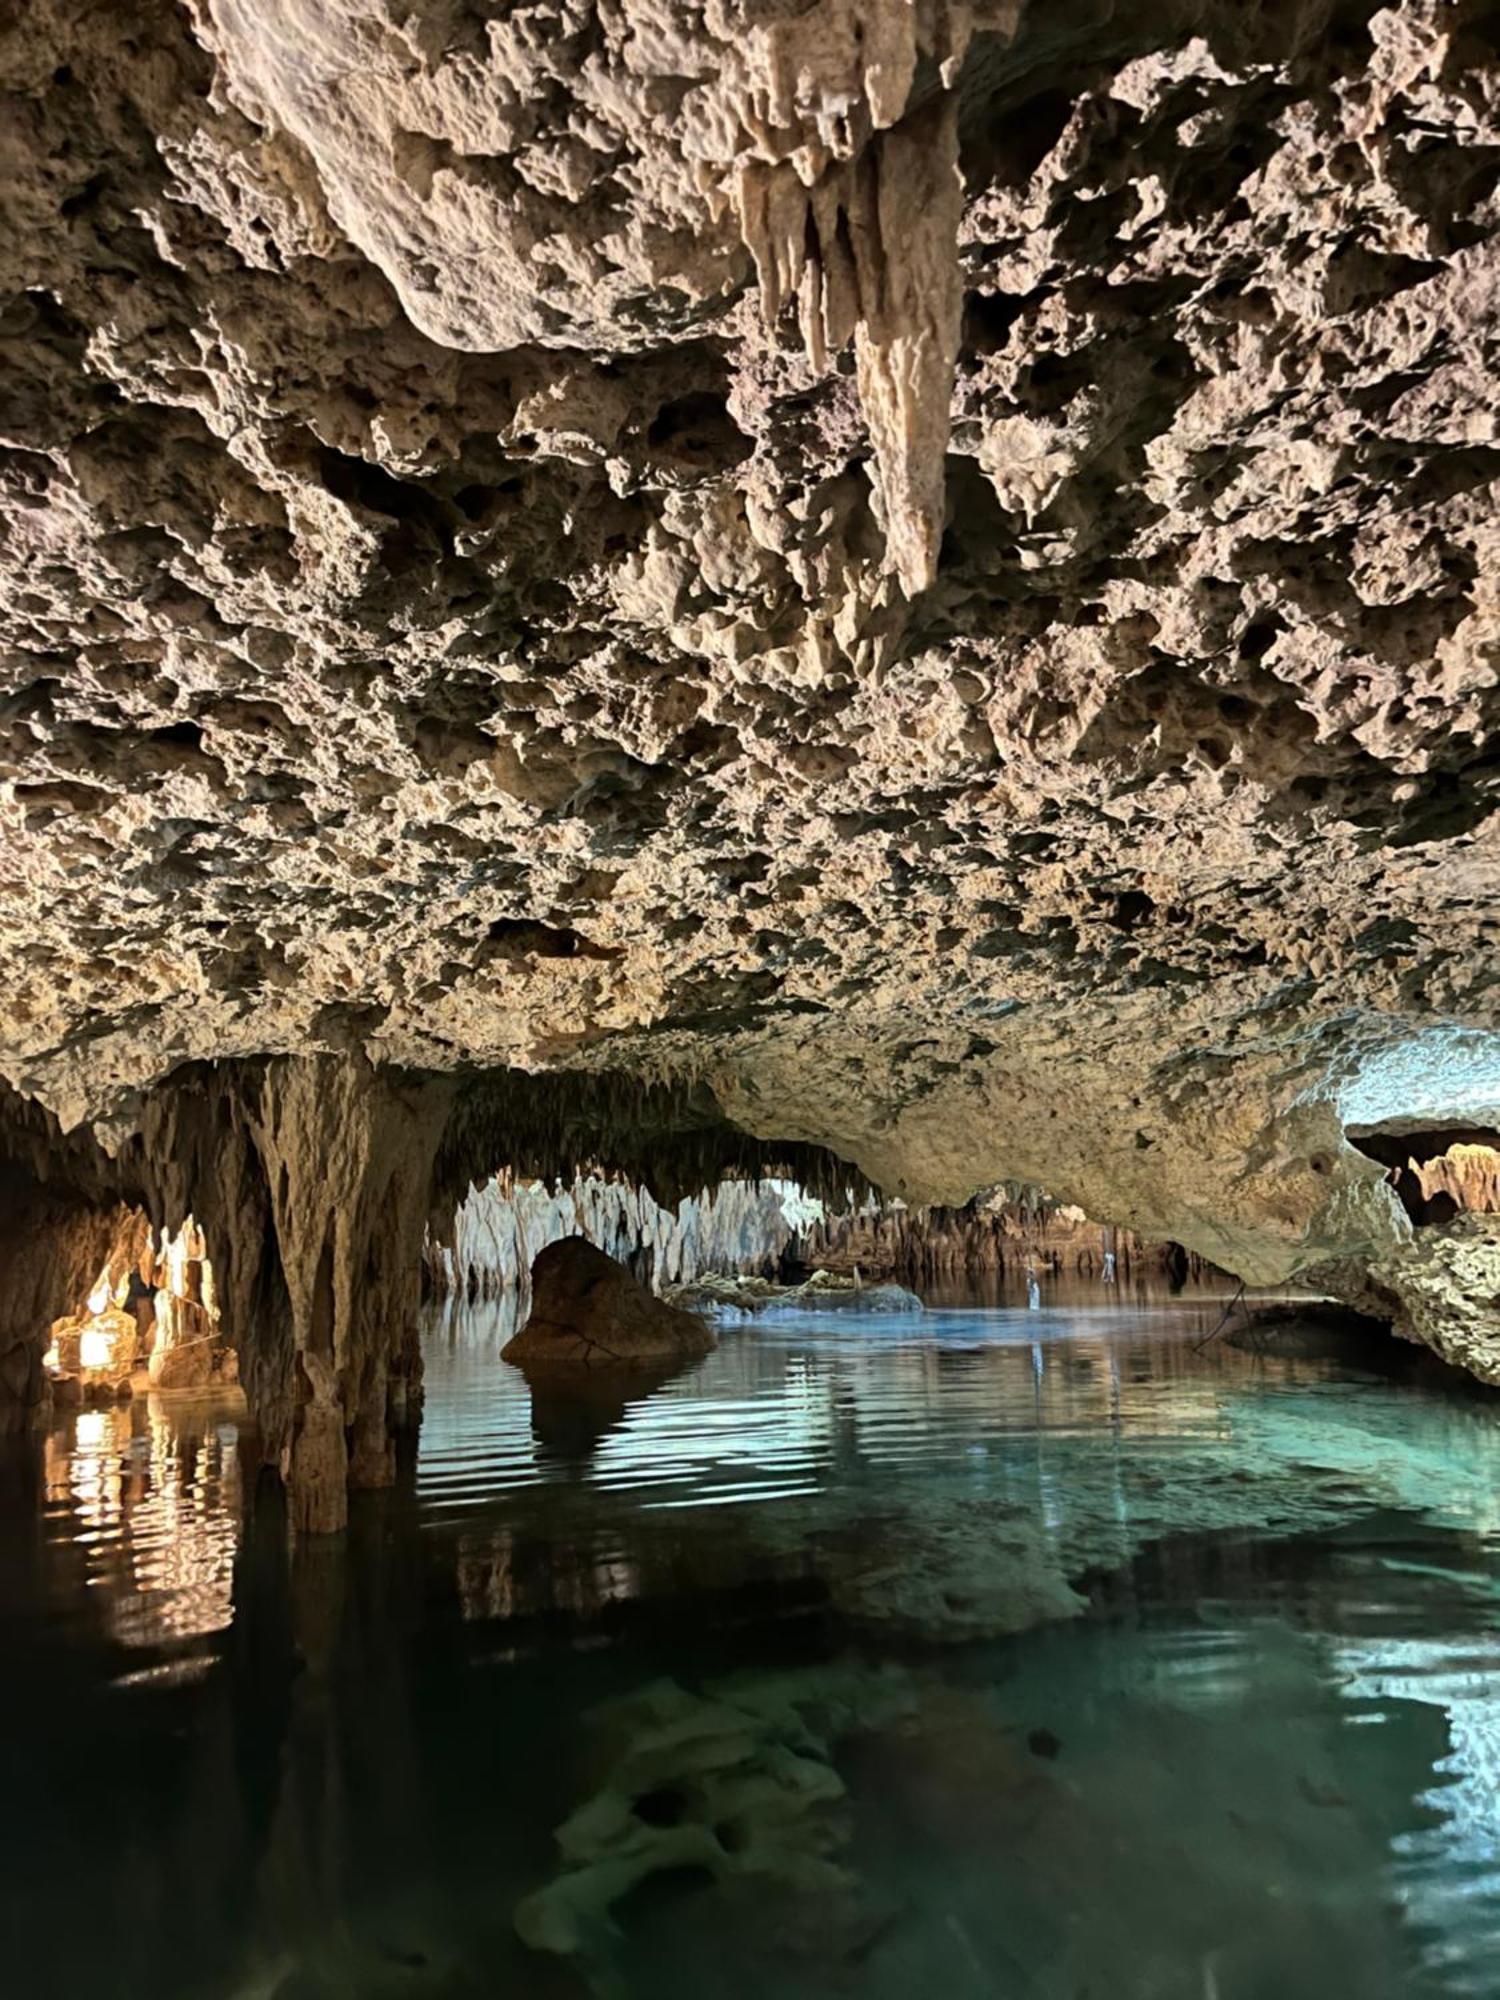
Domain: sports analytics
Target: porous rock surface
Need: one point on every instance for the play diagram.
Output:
(1444, 1293)
(927, 567)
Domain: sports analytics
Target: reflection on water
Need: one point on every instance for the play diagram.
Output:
(148, 1493)
(1097, 1660)
(787, 1405)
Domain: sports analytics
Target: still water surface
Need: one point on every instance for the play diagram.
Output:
(984, 1652)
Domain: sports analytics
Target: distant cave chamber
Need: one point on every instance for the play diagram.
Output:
(1438, 1173)
(275, 1221)
(311, 1184)
(150, 1321)
(775, 1228)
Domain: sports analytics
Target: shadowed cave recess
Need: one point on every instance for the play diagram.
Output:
(689, 665)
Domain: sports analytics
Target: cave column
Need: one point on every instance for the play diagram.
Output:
(348, 1154)
(310, 1179)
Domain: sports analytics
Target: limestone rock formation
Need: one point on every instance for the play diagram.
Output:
(53, 1252)
(1445, 1293)
(737, 1781)
(588, 1312)
(1001, 1231)
(733, 1298)
(921, 572)
(738, 1226)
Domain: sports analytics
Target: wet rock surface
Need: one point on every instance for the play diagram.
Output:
(1447, 1293)
(824, 1291)
(588, 1312)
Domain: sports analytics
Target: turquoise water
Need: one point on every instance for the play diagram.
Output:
(982, 1652)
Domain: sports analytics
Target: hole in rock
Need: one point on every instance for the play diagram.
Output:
(522, 938)
(699, 427)
(1439, 1173)
(664, 1806)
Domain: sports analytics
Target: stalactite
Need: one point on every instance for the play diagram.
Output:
(1015, 1232)
(1469, 1174)
(739, 1226)
(754, 1227)
(869, 253)
(312, 1178)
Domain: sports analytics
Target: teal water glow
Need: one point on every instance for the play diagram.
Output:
(990, 1652)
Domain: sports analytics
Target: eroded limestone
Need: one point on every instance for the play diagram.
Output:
(926, 571)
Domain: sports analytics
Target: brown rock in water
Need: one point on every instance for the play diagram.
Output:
(588, 1311)
(187, 1366)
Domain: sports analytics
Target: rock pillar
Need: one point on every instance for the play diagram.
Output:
(311, 1179)
(348, 1154)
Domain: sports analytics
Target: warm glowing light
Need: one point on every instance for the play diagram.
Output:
(99, 1296)
(93, 1431)
(52, 1360)
(96, 1349)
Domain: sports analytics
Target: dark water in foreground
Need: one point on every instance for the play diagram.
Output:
(985, 1653)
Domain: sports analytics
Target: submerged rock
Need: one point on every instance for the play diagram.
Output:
(737, 1781)
(1312, 1331)
(950, 1570)
(824, 1291)
(587, 1311)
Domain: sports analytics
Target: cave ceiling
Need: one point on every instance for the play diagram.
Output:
(716, 537)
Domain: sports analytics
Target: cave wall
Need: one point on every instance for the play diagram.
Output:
(54, 1249)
